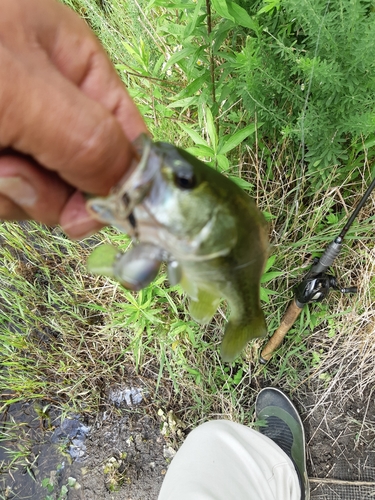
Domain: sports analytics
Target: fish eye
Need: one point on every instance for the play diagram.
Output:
(185, 180)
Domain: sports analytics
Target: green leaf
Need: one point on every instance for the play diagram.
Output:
(231, 141)
(211, 129)
(264, 296)
(241, 182)
(193, 20)
(64, 490)
(135, 54)
(223, 162)
(46, 482)
(177, 56)
(270, 6)
(172, 5)
(194, 86)
(221, 32)
(72, 481)
(201, 150)
(265, 293)
(238, 376)
(268, 216)
(197, 139)
(158, 66)
(369, 143)
(270, 262)
(240, 15)
(221, 8)
(270, 276)
(232, 11)
(183, 103)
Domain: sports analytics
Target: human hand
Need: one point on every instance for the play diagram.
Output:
(66, 120)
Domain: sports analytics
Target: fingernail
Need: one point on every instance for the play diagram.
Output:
(18, 190)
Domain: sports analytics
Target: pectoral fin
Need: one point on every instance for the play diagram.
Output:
(102, 260)
(237, 335)
(189, 287)
(203, 301)
(174, 272)
(203, 309)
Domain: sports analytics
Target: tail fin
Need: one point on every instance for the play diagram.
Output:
(237, 335)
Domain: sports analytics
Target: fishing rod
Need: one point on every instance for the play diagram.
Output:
(316, 284)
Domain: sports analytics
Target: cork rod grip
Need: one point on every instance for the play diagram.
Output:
(286, 324)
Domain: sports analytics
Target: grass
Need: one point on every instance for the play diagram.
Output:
(67, 336)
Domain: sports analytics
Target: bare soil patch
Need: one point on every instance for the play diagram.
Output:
(126, 455)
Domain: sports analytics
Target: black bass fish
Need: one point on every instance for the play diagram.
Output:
(205, 227)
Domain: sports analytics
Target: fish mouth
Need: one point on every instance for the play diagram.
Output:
(118, 207)
(132, 220)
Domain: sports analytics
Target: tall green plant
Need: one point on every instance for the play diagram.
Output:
(309, 74)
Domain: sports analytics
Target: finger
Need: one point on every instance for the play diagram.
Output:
(69, 124)
(28, 192)
(54, 30)
(48, 118)
(92, 71)
(75, 220)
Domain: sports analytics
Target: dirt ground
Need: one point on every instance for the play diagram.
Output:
(124, 453)
(116, 456)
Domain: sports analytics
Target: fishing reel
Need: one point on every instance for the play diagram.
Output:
(316, 286)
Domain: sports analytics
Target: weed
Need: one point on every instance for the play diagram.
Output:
(56, 492)
(115, 472)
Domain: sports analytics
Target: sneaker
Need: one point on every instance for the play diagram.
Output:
(284, 427)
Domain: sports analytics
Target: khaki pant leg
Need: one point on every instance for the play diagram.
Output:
(222, 460)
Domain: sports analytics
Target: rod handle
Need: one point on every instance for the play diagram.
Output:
(286, 324)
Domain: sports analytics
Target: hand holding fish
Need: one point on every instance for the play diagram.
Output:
(208, 231)
(66, 123)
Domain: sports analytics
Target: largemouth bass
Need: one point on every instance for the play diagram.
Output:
(208, 231)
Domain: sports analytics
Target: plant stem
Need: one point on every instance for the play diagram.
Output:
(212, 63)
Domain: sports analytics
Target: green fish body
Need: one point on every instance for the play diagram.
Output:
(209, 231)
